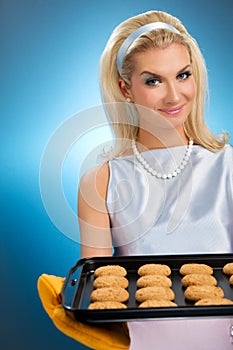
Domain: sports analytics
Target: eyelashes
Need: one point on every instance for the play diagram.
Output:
(184, 75)
(154, 81)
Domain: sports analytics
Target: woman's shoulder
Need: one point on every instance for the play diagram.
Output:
(228, 150)
(229, 147)
(100, 171)
(224, 156)
(96, 180)
(225, 151)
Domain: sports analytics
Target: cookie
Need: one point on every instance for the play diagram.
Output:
(154, 269)
(228, 268)
(154, 293)
(214, 301)
(113, 270)
(195, 293)
(110, 281)
(157, 303)
(109, 294)
(153, 280)
(198, 279)
(187, 269)
(100, 305)
(231, 279)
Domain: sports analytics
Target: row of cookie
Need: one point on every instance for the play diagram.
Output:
(109, 288)
(154, 286)
(201, 286)
(206, 269)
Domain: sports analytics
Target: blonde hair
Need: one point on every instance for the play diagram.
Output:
(123, 127)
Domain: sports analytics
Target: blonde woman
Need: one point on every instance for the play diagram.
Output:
(168, 188)
(167, 185)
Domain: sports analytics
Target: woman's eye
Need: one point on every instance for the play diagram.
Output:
(184, 75)
(152, 81)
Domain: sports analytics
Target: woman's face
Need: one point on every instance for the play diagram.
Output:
(162, 80)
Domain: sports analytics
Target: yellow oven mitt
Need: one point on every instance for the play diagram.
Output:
(110, 336)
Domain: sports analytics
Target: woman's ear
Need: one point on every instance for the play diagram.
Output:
(124, 89)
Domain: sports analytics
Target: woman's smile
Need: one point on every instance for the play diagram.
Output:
(171, 111)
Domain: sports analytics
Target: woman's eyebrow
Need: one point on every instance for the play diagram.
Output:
(185, 68)
(151, 73)
(159, 76)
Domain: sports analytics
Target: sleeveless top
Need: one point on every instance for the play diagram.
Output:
(190, 213)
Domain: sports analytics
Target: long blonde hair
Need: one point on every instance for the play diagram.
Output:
(124, 129)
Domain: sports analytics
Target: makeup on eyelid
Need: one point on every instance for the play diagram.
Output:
(151, 78)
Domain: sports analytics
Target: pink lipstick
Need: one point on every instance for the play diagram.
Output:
(172, 111)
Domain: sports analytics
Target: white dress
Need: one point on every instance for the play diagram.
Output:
(188, 214)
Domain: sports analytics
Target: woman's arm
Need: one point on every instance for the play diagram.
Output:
(93, 217)
(95, 240)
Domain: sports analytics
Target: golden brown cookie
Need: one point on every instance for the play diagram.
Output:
(154, 293)
(113, 270)
(154, 269)
(109, 294)
(100, 305)
(214, 301)
(231, 279)
(228, 268)
(187, 269)
(195, 293)
(198, 279)
(110, 281)
(153, 280)
(157, 303)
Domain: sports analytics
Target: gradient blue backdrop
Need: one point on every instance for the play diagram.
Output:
(48, 72)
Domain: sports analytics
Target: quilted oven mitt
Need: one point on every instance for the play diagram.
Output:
(110, 336)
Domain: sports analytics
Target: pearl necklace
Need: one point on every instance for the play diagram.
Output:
(153, 172)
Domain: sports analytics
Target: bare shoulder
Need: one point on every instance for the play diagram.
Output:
(93, 191)
(96, 180)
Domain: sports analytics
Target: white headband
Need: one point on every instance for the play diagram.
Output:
(134, 35)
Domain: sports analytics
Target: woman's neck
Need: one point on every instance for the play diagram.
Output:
(164, 138)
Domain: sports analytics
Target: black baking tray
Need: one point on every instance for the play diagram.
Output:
(78, 286)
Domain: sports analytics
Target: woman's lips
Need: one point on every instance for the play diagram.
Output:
(172, 111)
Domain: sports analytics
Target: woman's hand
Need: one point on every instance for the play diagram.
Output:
(110, 336)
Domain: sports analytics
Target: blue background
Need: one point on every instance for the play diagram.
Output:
(48, 72)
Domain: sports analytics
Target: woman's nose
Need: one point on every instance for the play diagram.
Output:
(172, 96)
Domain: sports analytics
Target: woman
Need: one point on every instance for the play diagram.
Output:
(172, 176)
(167, 187)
